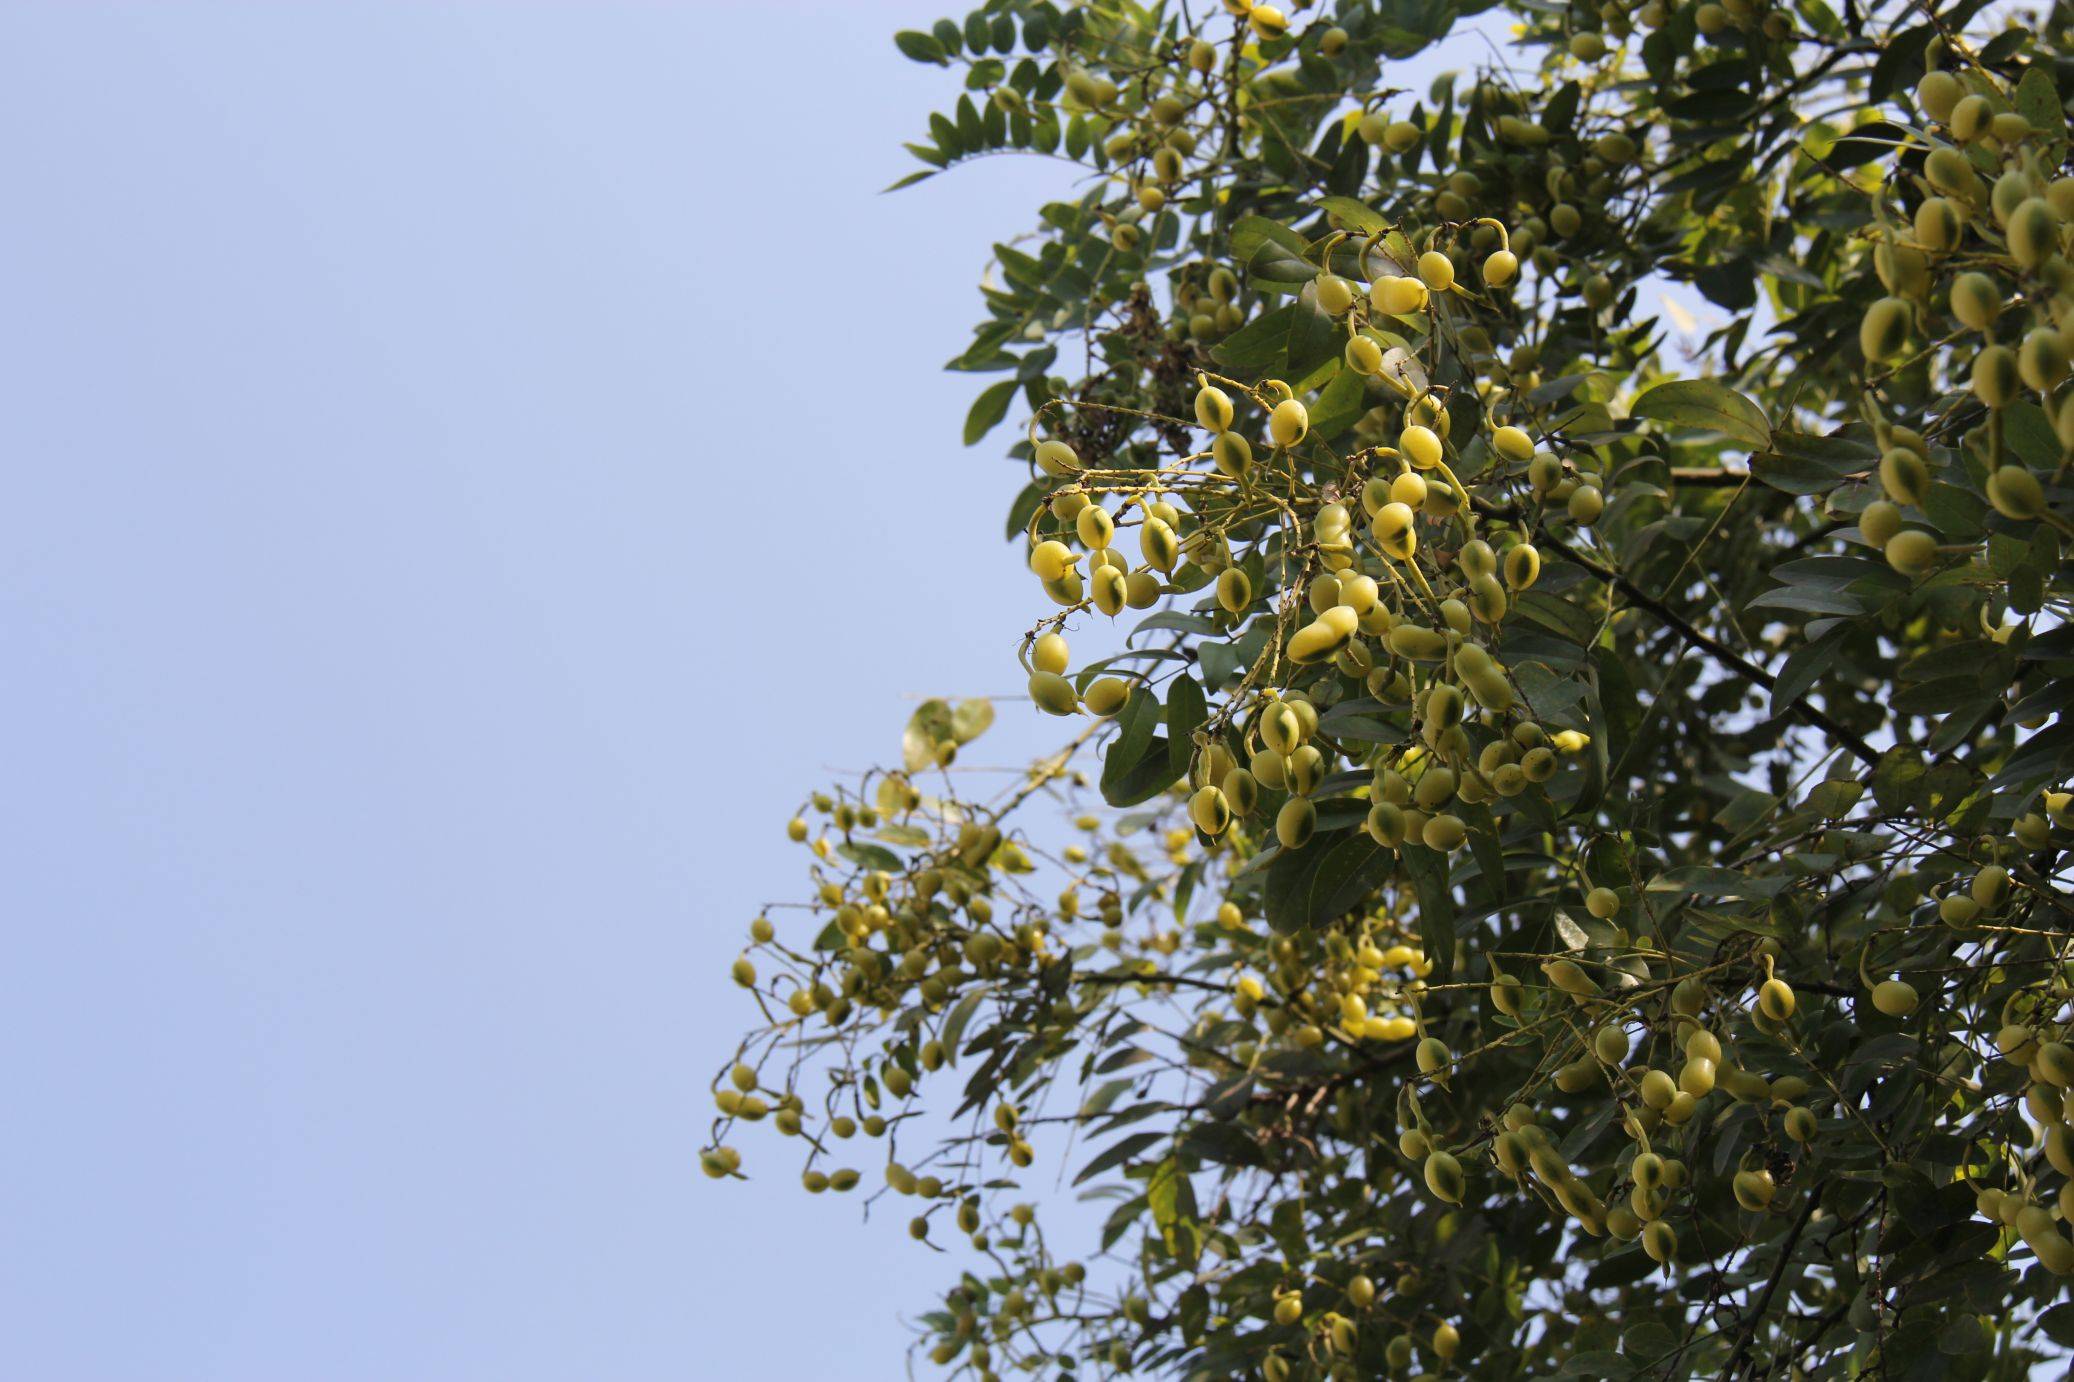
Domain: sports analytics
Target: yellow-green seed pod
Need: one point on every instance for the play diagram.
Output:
(1233, 454)
(1500, 267)
(1057, 459)
(1958, 910)
(1507, 995)
(1364, 356)
(1487, 598)
(1996, 379)
(1109, 588)
(1904, 475)
(1937, 93)
(1305, 769)
(1878, 524)
(1894, 997)
(1050, 653)
(1095, 528)
(1938, 225)
(1435, 789)
(1951, 174)
(1234, 590)
(1213, 408)
(1567, 976)
(1295, 822)
(1317, 641)
(1289, 422)
(1445, 833)
(1444, 1177)
(1884, 330)
(1912, 553)
(1335, 295)
(1975, 300)
(1281, 728)
(1157, 542)
(1141, 590)
(1800, 1125)
(1586, 504)
(2015, 492)
(1775, 999)
(1241, 790)
(2035, 1226)
(1053, 693)
(1106, 696)
(2059, 1148)
(1210, 811)
(2042, 360)
(2034, 232)
(1417, 642)
(1754, 1190)
(1421, 446)
(1969, 118)
(1051, 560)
(1522, 566)
(1658, 1089)
(1433, 1058)
(1513, 444)
(1436, 271)
(1386, 824)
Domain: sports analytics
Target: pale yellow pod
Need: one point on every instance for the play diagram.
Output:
(1109, 588)
(1106, 696)
(1289, 422)
(1157, 542)
(1421, 446)
(1057, 459)
(1234, 590)
(1053, 693)
(1358, 592)
(1050, 653)
(1051, 559)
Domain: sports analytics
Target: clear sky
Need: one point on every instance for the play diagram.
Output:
(468, 470)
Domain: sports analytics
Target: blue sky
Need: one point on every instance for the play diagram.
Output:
(470, 469)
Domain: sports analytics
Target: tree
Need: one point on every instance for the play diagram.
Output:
(1567, 872)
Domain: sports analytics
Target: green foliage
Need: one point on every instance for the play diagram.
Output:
(1574, 882)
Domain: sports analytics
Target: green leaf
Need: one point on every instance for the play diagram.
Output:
(988, 409)
(1326, 878)
(1117, 1153)
(2038, 101)
(928, 728)
(1290, 341)
(1356, 216)
(921, 47)
(1706, 404)
(1163, 1193)
(1340, 404)
(2058, 1324)
(1186, 711)
(971, 718)
(1803, 667)
(1135, 768)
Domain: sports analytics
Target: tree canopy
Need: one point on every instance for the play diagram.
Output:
(1557, 865)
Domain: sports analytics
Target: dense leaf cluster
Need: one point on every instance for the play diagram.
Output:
(1569, 851)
